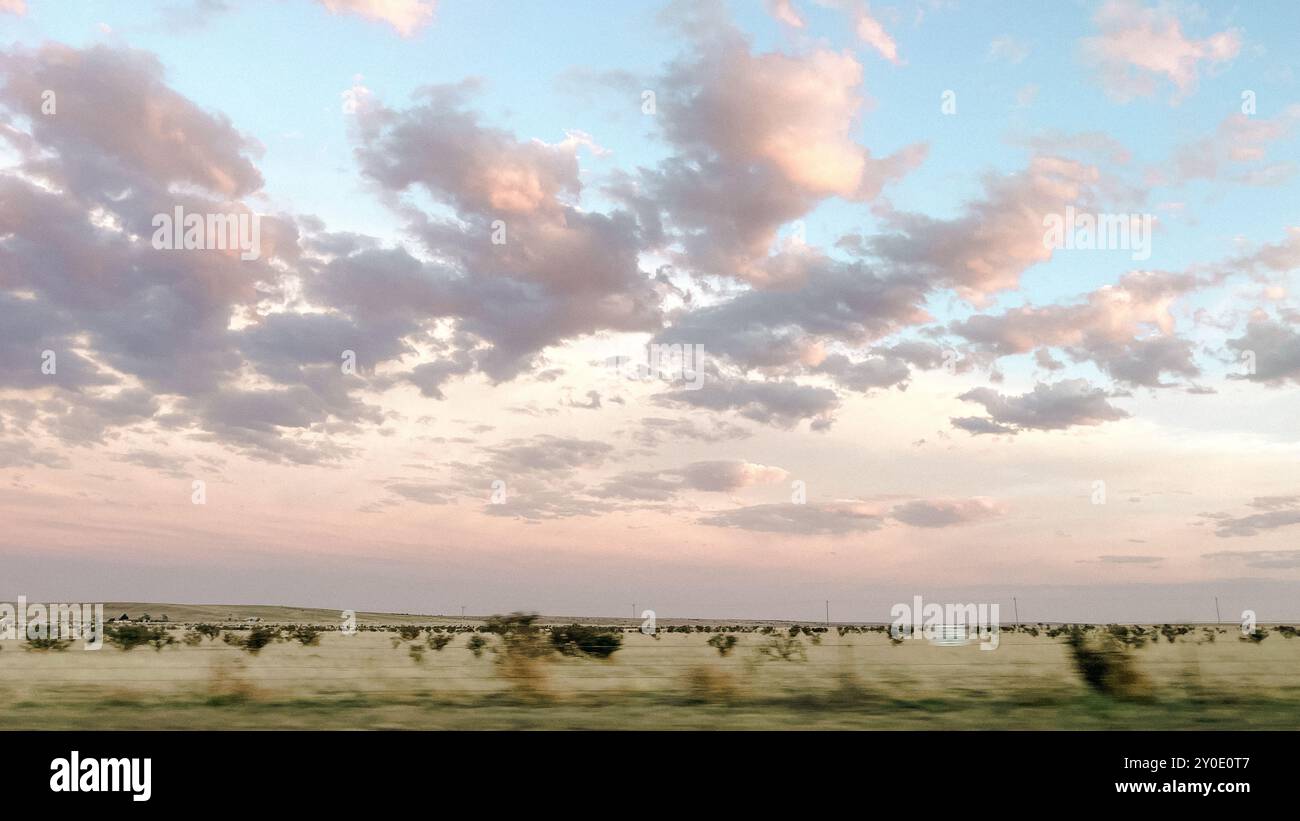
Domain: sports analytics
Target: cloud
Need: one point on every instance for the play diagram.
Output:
(848, 303)
(18, 7)
(996, 238)
(729, 476)
(717, 476)
(1240, 142)
(1275, 350)
(943, 512)
(784, 11)
(654, 430)
(781, 404)
(1008, 49)
(1268, 559)
(1136, 46)
(871, 32)
(758, 140)
(1129, 559)
(558, 272)
(1056, 406)
(405, 16)
(1127, 329)
(1277, 511)
(822, 519)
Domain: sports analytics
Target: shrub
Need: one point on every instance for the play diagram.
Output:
(784, 648)
(306, 635)
(51, 643)
(723, 643)
(476, 645)
(520, 649)
(1257, 636)
(130, 636)
(705, 684)
(408, 632)
(1106, 666)
(256, 639)
(208, 631)
(438, 642)
(591, 641)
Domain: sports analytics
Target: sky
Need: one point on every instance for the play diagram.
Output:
(717, 309)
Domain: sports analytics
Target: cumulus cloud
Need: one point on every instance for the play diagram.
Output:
(405, 16)
(995, 238)
(561, 272)
(758, 140)
(1136, 46)
(1056, 406)
(1127, 329)
(1273, 347)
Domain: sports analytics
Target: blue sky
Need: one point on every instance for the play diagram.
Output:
(826, 361)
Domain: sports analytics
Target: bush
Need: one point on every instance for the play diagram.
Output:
(306, 635)
(256, 639)
(51, 643)
(208, 631)
(723, 643)
(408, 632)
(475, 644)
(520, 650)
(784, 648)
(130, 636)
(1106, 666)
(437, 642)
(1259, 635)
(706, 685)
(591, 641)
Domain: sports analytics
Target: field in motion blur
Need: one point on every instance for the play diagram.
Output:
(296, 669)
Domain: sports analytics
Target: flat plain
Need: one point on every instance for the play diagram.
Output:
(390, 674)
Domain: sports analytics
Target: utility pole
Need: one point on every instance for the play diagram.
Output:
(462, 612)
(633, 611)
(828, 614)
(1218, 619)
(1015, 604)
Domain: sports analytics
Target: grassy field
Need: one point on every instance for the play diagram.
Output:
(1207, 678)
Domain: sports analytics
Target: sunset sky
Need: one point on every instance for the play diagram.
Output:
(498, 206)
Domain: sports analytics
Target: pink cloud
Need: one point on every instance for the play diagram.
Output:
(784, 11)
(871, 32)
(1136, 46)
(405, 16)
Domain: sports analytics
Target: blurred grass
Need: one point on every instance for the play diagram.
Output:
(677, 681)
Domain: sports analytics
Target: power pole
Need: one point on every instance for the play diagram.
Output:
(1016, 605)
(1218, 619)
(828, 614)
(462, 612)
